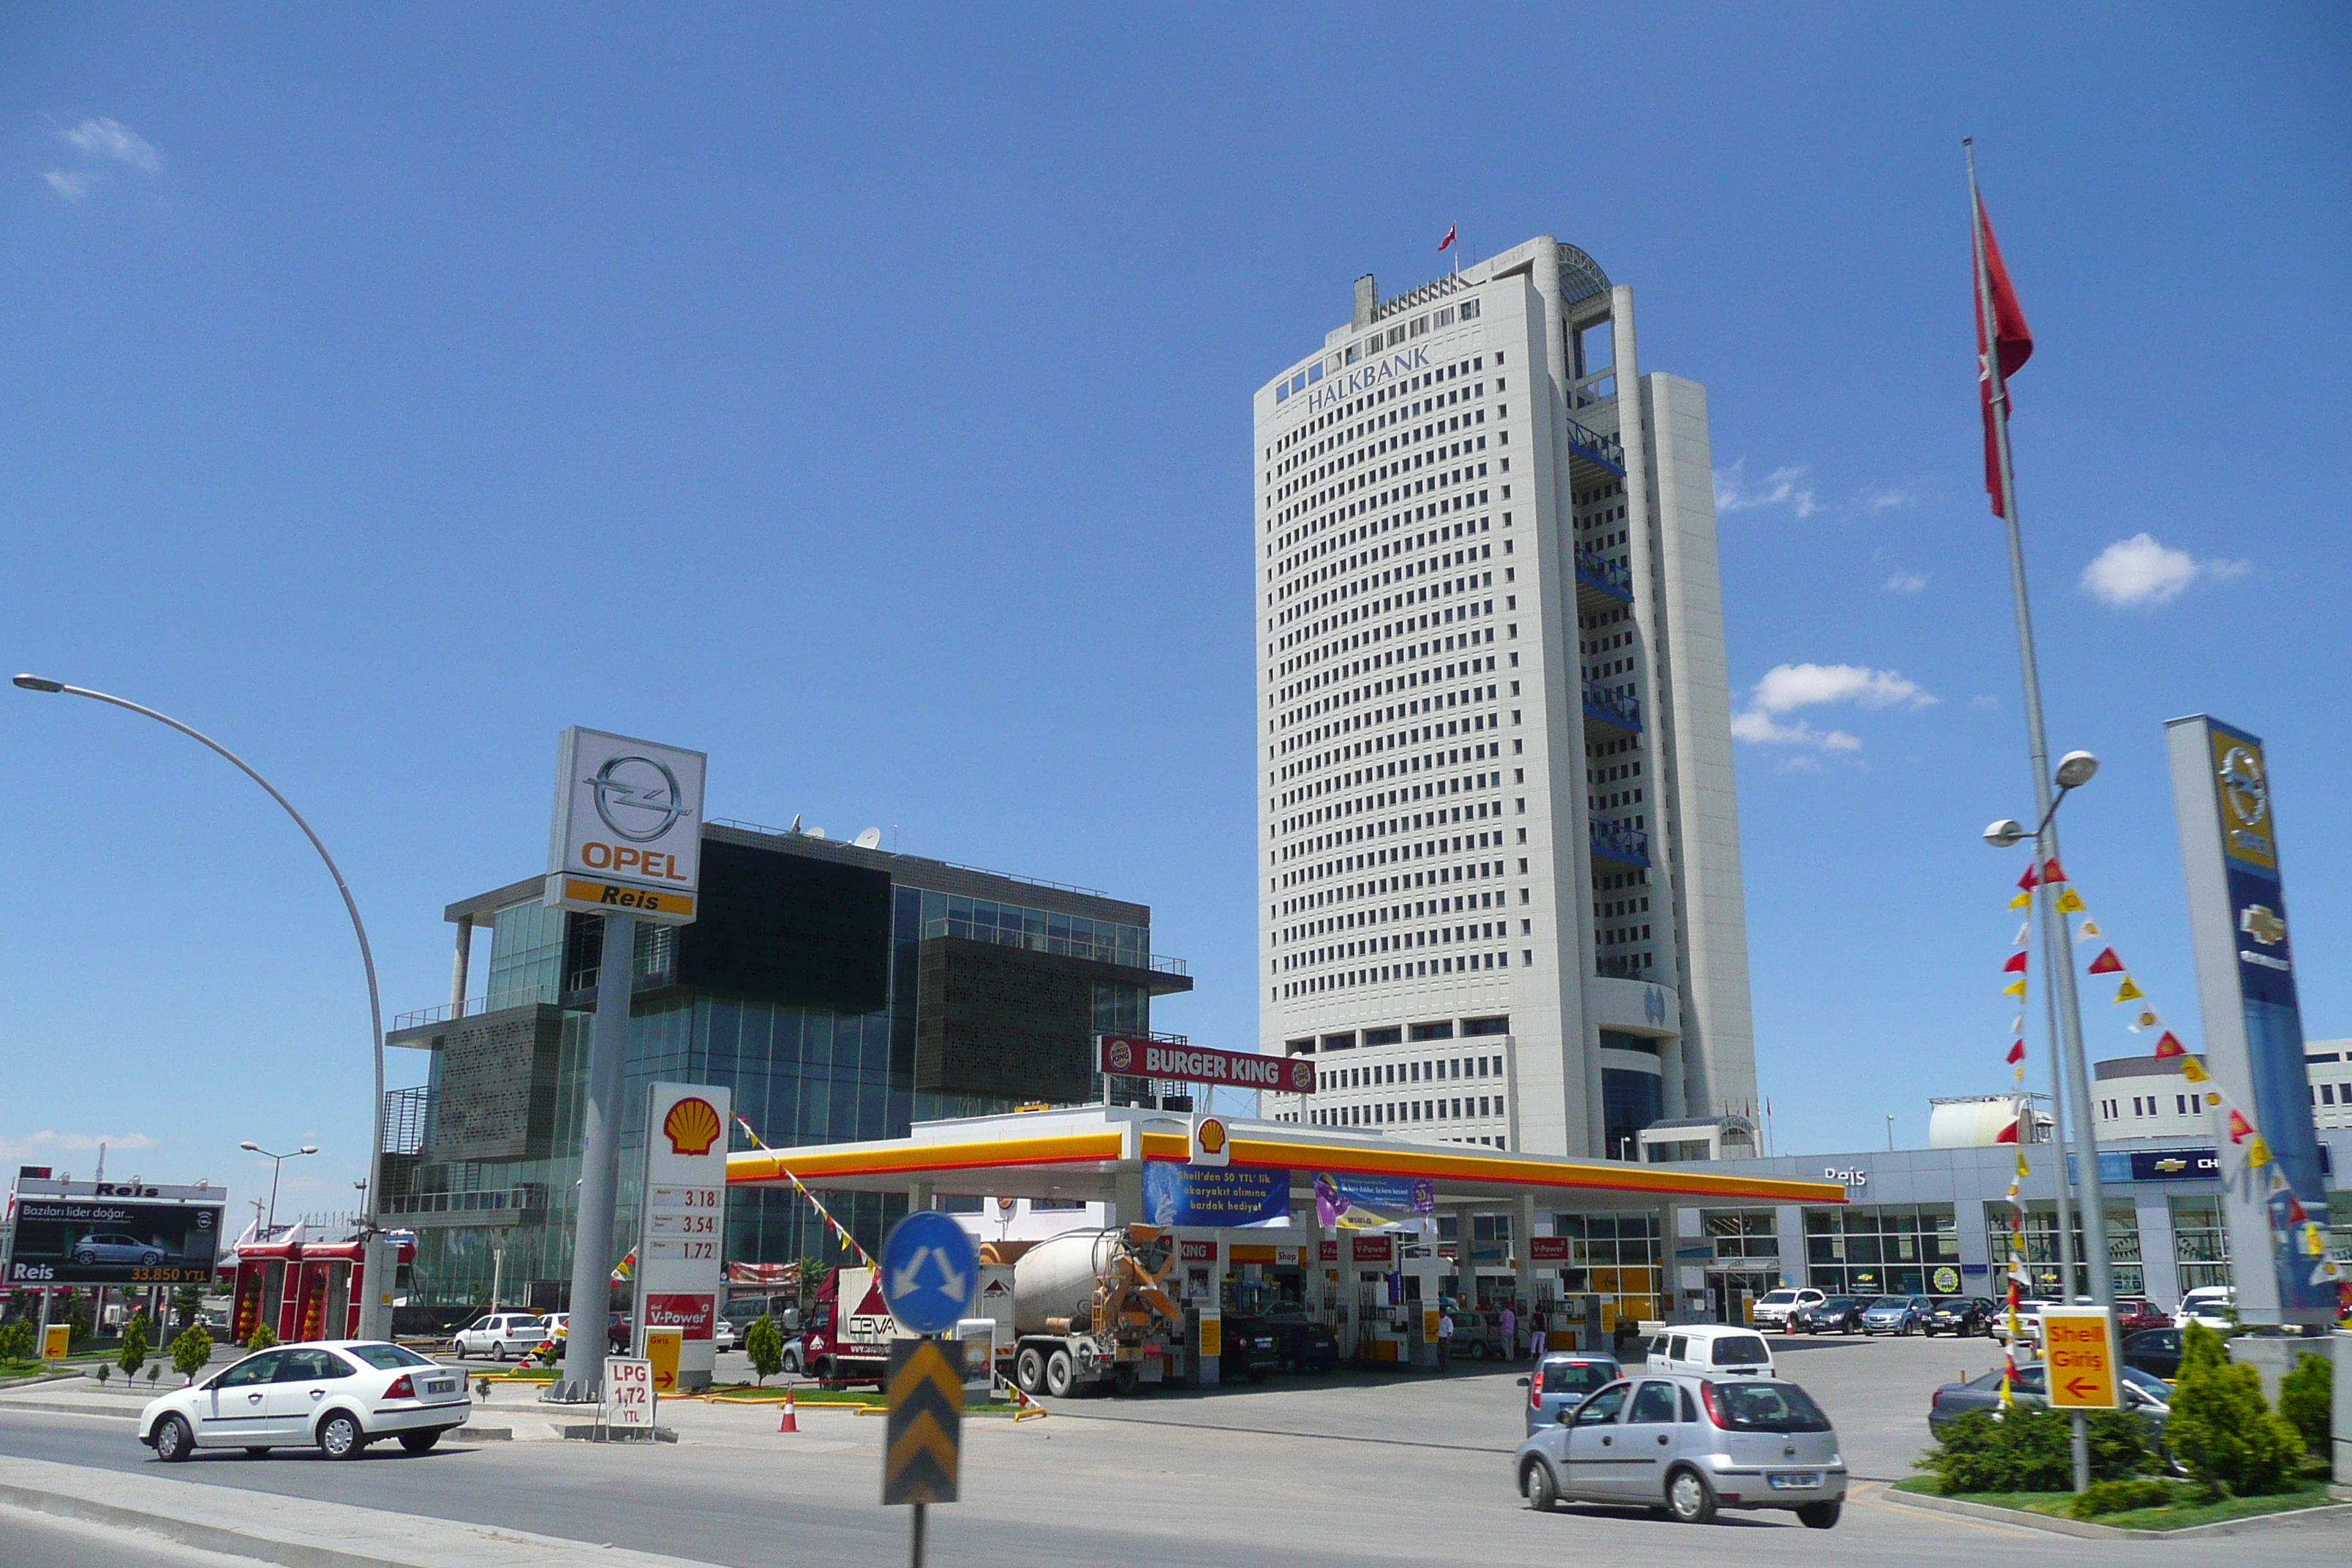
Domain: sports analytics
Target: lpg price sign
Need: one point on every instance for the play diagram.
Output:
(628, 1392)
(2079, 1348)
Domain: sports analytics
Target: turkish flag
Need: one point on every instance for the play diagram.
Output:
(1449, 236)
(2014, 338)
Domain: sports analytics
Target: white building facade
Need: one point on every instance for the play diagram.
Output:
(1501, 895)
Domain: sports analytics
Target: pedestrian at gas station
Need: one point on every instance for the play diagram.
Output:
(1444, 1339)
(1509, 1322)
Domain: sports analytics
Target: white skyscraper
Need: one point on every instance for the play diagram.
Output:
(1500, 851)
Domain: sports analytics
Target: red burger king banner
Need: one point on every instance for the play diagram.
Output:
(1127, 1055)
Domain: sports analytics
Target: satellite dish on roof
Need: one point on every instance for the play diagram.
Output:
(816, 833)
(869, 839)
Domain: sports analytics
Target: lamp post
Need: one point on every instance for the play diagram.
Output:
(277, 1162)
(372, 1323)
(2069, 1077)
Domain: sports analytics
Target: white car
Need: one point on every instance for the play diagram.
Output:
(501, 1336)
(2210, 1306)
(1773, 1307)
(341, 1394)
(2029, 1322)
(722, 1336)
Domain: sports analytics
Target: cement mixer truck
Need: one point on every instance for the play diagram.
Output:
(1089, 1307)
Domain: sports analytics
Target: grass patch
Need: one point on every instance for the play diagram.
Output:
(2179, 1515)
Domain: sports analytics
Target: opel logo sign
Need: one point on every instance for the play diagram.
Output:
(2243, 786)
(637, 797)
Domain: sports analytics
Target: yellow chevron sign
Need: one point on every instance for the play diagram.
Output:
(923, 1449)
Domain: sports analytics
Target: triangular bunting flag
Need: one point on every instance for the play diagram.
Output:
(2239, 1128)
(2193, 1070)
(2147, 1020)
(2295, 1212)
(2017, 1052)
(2089, 933)
(2052, 872)
(2024, 932)
(2019, 901)
(2170, 1046)
(2015, 965)
(2014, 988)
(2070, 902)
(2027, 880)
(2017, 1025)
(2106, 962)
(2127, 991)
(2258, 1153)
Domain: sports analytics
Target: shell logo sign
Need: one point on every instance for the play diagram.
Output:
(692, 1126)
(1210, 1145)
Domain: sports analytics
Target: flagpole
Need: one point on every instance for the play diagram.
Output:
(2057, 938)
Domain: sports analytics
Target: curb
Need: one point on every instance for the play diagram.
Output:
(2086, 1530)
(56, 1407)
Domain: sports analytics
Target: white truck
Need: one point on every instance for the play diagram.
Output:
(846, 1336)
(1089, 1309)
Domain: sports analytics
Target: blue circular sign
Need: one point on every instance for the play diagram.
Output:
(928, 1267)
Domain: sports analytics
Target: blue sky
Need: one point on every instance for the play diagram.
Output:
(865, 401)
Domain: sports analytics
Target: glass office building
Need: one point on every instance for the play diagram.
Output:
(840, 993)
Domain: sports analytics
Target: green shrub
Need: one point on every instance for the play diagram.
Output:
(191, 1349)
(765, 1346)
(2306, 1398)
(133, 1353)
(2222, 1429)
(263, 1338)
(18, 1339)
(2120, 1496)
(2031, 1450)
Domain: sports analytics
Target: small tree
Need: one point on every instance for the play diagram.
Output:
(187, 1301)
(191, 1349)
(2306, 1398)
(2221, 1429)
(765, 1346)
(262, 1338)
(16, 1337)
(133, 1353)
(74, 1313)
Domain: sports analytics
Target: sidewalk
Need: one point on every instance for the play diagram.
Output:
(298, 1532)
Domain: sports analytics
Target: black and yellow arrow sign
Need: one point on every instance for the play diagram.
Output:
(922, 1451)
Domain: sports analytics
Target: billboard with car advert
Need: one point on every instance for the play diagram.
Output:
(113, 1233)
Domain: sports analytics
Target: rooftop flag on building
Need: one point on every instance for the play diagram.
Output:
(1449, 236)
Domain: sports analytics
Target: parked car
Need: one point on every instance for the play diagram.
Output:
(1560, 1382)
(2029, 1322)
(745, 1311)
(1961, 1315)
(2134, 1313)
(1834, 1315)
(113, 1246)
(2213, 1306)
(341, 1395)
(2156, 1352)
(501, 1336)
(1897, 1315)
(2142, 1391)
(1775, 1309)
(1478, 1334)
(1690, 1445)
(1711, 1349)
(1304, 1344)
(1250, 1349)
(722, 1334)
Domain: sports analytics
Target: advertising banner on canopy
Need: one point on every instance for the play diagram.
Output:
(1370, 1203)
(1195, 1194)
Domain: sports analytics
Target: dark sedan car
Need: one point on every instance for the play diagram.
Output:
(2143, 1391)
(1305, 1346)
(2156, 1352)
(1838, 1315)
(1252, 1348)
(1961, 1315)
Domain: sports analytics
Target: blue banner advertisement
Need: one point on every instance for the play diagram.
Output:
(1368, 1203)
(1195, 1194)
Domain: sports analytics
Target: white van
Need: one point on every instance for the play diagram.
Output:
(1711, 1349)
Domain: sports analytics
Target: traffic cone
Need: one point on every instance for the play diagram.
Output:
(792, 1422)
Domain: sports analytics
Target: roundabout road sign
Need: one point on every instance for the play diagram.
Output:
(929, 1264)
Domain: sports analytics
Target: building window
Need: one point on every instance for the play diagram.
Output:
(1887, 1249)
(2201, 1243)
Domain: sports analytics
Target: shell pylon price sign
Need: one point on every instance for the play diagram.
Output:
(2078, 1346)
(922, 1450)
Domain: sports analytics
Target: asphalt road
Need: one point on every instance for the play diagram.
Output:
(1346, 1470)
(29, 1540)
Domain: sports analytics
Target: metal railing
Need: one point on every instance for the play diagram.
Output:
(1606, 572)
(1608, 700)
(952, 865)
(1592, 445)
(407, 1116)
(1617, 839)
(1068, 947)
(471, 1006)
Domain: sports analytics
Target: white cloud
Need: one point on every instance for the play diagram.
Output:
(1780, 488)
(1883, 498)
(1982, 704)
(72, 186)
(1906, 582)
(2136, 572)
(1789, 687)
(32, 1145)
(104, 138)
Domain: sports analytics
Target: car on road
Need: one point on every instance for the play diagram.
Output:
(1560, 1382)
(339, 1394)
(1834, 1315)
(1961, 1315)
(2156, 1352)
(1775, 1308)
(1690, 1446)
(2143, 1391)
(501, 1336)
(1710, 1350)
(2134, 1313)
(1897, 1315)
(113, 1246)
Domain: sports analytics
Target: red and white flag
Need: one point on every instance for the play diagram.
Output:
(1449, 236)
(2011, 337)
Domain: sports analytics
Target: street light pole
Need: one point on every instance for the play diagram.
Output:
(370, 1210)
(277, 1162)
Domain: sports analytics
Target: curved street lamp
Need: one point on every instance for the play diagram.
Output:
(276, 1161)
(370, 1214)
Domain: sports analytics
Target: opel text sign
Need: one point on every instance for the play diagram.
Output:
(628, 827)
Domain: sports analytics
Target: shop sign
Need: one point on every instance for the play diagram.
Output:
(1177, 1194)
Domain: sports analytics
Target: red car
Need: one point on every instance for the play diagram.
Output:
(2133, 1313)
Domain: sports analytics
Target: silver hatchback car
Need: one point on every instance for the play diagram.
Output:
(1689, 1446)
